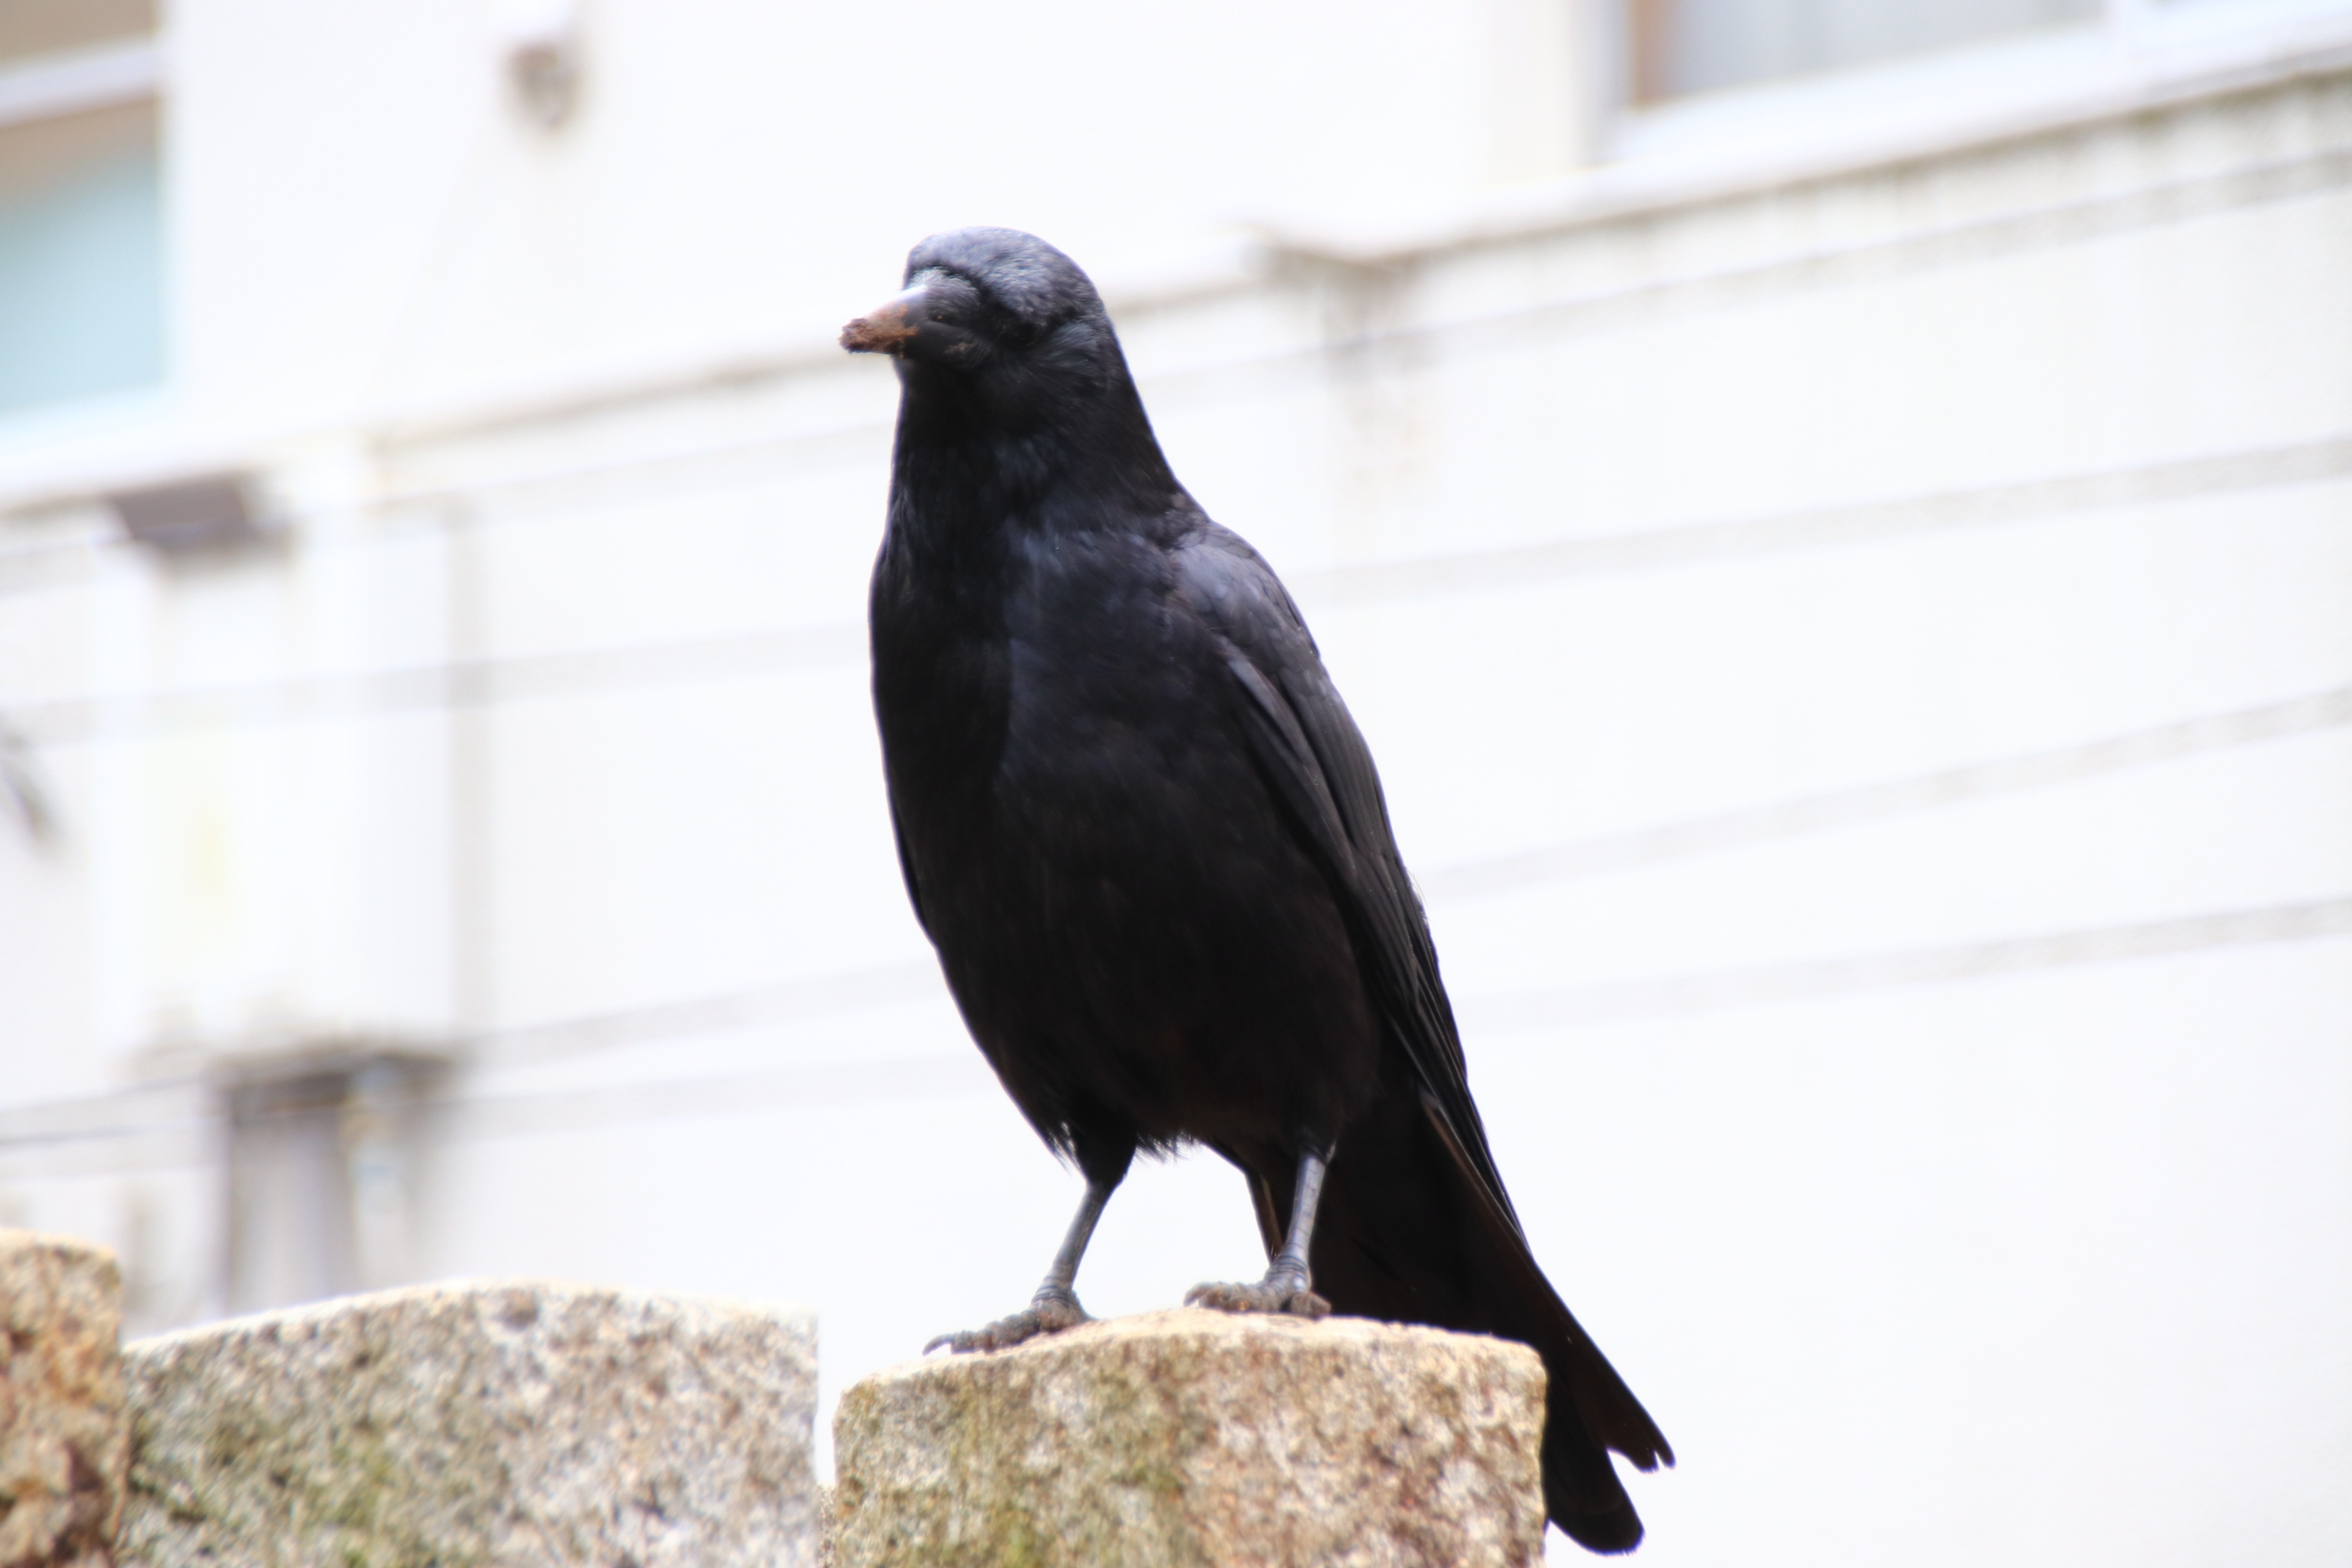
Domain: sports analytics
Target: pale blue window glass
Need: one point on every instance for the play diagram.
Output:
(81, 258)
(1683, 47)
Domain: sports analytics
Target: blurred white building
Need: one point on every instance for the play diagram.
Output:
(1835, 516)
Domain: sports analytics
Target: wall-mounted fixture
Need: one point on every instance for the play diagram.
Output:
(541, 40)
(210, 512)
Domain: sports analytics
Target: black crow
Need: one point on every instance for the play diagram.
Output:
(1144, 836)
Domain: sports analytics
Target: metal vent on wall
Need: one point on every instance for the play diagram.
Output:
(211, 512)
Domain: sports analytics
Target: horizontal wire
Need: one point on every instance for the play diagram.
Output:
(470, 682)
(932, 1076)
(1651, 549)
(924, 1076)
(477, 682)
(890, 1079)
(848, 991)
(456, 684)
(528, 1044)
(1709, 990)
(2049, 226)
(899, 984)
(1888, 798)
(1376, 349)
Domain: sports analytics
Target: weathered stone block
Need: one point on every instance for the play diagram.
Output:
(499, 1423)
(1189, 1439)
(64, 1441)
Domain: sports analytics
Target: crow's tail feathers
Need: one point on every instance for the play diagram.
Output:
(1589, 1409)
(1409, 1231)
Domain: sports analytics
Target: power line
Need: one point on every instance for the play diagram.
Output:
(454, 684)
(961, 1072)
(1710, 990)
(68, 1123)
(1653, 548)
(847, 991)
(1892, 797)
(473, 682)
(1511, 328)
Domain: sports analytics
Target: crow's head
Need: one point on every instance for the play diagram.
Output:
(1006, 359)
(992, 305)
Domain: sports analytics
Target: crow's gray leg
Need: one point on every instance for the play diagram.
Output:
(1288, 1286)
(1055, 1304)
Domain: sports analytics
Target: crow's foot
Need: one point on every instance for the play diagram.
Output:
(1050, 1313)
(1280, 1291)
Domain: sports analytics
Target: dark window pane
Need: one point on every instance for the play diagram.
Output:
(1684, 47)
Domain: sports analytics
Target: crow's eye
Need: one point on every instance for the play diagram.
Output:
(949, 300)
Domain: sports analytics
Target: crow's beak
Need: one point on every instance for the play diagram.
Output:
(885, 329)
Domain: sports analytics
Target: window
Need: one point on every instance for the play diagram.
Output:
(82, 278)
(1758, 80)
(1684, 47)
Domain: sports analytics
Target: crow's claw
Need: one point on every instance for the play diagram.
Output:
(1046, 1315)
(1276, 1293)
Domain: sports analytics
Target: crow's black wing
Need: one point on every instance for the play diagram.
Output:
(907, 870)
(1316, 763)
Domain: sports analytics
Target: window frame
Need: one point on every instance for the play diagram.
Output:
(2136, 50)
(73, 81)
(58, 85)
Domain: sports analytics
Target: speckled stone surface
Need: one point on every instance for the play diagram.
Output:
(64, 1441)
(503, 1423)
(1187, 1439)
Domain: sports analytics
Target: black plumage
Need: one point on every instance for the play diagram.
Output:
(1149, 846)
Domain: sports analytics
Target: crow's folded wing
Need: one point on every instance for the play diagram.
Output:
(1316, 763)
(907, 870)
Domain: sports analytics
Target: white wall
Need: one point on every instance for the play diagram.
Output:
(1861, 664)
(368, 227)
